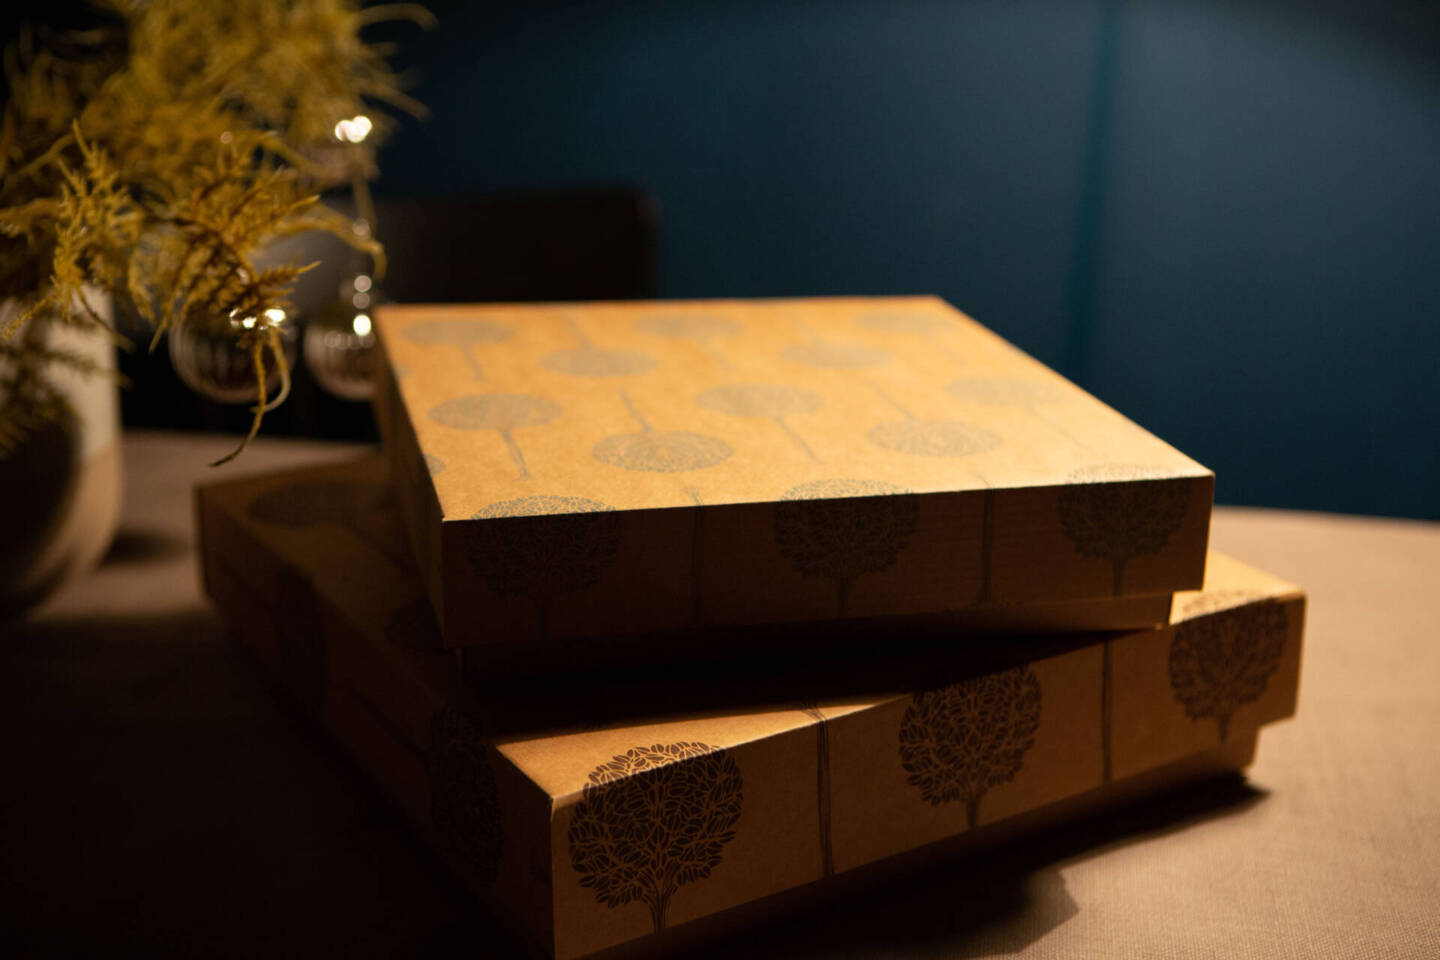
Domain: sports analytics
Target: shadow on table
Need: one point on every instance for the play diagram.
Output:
(159, 794)
(992, 903)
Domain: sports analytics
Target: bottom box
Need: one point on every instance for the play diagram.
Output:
(597, 817)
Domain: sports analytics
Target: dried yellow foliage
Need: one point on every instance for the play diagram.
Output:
(154, 157)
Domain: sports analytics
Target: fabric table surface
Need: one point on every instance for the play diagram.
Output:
(158, 793)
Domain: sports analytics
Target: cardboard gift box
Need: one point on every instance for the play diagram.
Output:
(604, 469)
(595, 817)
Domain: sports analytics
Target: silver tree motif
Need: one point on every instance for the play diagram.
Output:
(588, 360)
(775, 401)
(1027, 395)
(433, 463)
(463, 332)
(1114, 512)
(1220, 662)
(502, 412)
(928, 438)
(664, 451)
(542, 547)
(961, 741)
(464, 801)
(652, 820)
(915, 324)
(358, 508)
(700, 328)
(842, 529)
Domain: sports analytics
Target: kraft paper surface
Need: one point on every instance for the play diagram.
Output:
(591, 469)
(739, 805)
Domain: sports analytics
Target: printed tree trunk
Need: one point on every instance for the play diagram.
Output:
(698, 327)
(542, 547)
(653, 820)
(1221, 662)
(663, 451)
(463, 332)
(464, 803)
(929, 438)
(588, 360)
(842, 529)
(772, 400)
(1117, 512)
(915, 324)
(502, 412)
(824, 354)
(961, 741)
(822, 787)
(1027, 395)
(347, 504)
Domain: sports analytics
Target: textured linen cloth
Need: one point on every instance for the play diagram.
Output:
(158, 794)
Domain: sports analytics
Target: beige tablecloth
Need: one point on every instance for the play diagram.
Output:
(157, 794)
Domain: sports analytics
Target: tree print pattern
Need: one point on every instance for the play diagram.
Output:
(961, 741)
(463, 332)
(652, 820)
(662, 451)
(1221, 662)
(835, 355)
(841, 529)
(588, 360)
(542, 547)
(340, 503)
(915, 324)
(1027, 395)
(822, 786)
(502, 412)
(464, 802)
(701, 328)
(773, 400)
(929, 438)
(433, 463)
(1114, 513)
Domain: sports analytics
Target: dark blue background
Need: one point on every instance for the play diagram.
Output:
(1221, 217)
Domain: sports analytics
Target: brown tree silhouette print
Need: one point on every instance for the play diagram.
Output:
(961, 741)
(1114, 513)
(542, 547)
(588, 360)
(775, 401)
(464, 803)
(663, 451)
(463, 332)
(822, 786)
(502, 412)
(842, 529)
(653, 820)
(1221, 662)
(433, 463)
(351, 505)
(700, 328)
(1027, 395)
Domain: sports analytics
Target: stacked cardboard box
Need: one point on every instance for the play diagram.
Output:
(748, 596)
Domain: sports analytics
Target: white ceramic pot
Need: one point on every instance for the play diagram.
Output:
(60, 489)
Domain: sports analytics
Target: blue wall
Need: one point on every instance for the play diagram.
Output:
(1221, 217)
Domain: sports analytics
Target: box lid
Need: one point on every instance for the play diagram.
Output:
(590, 469)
